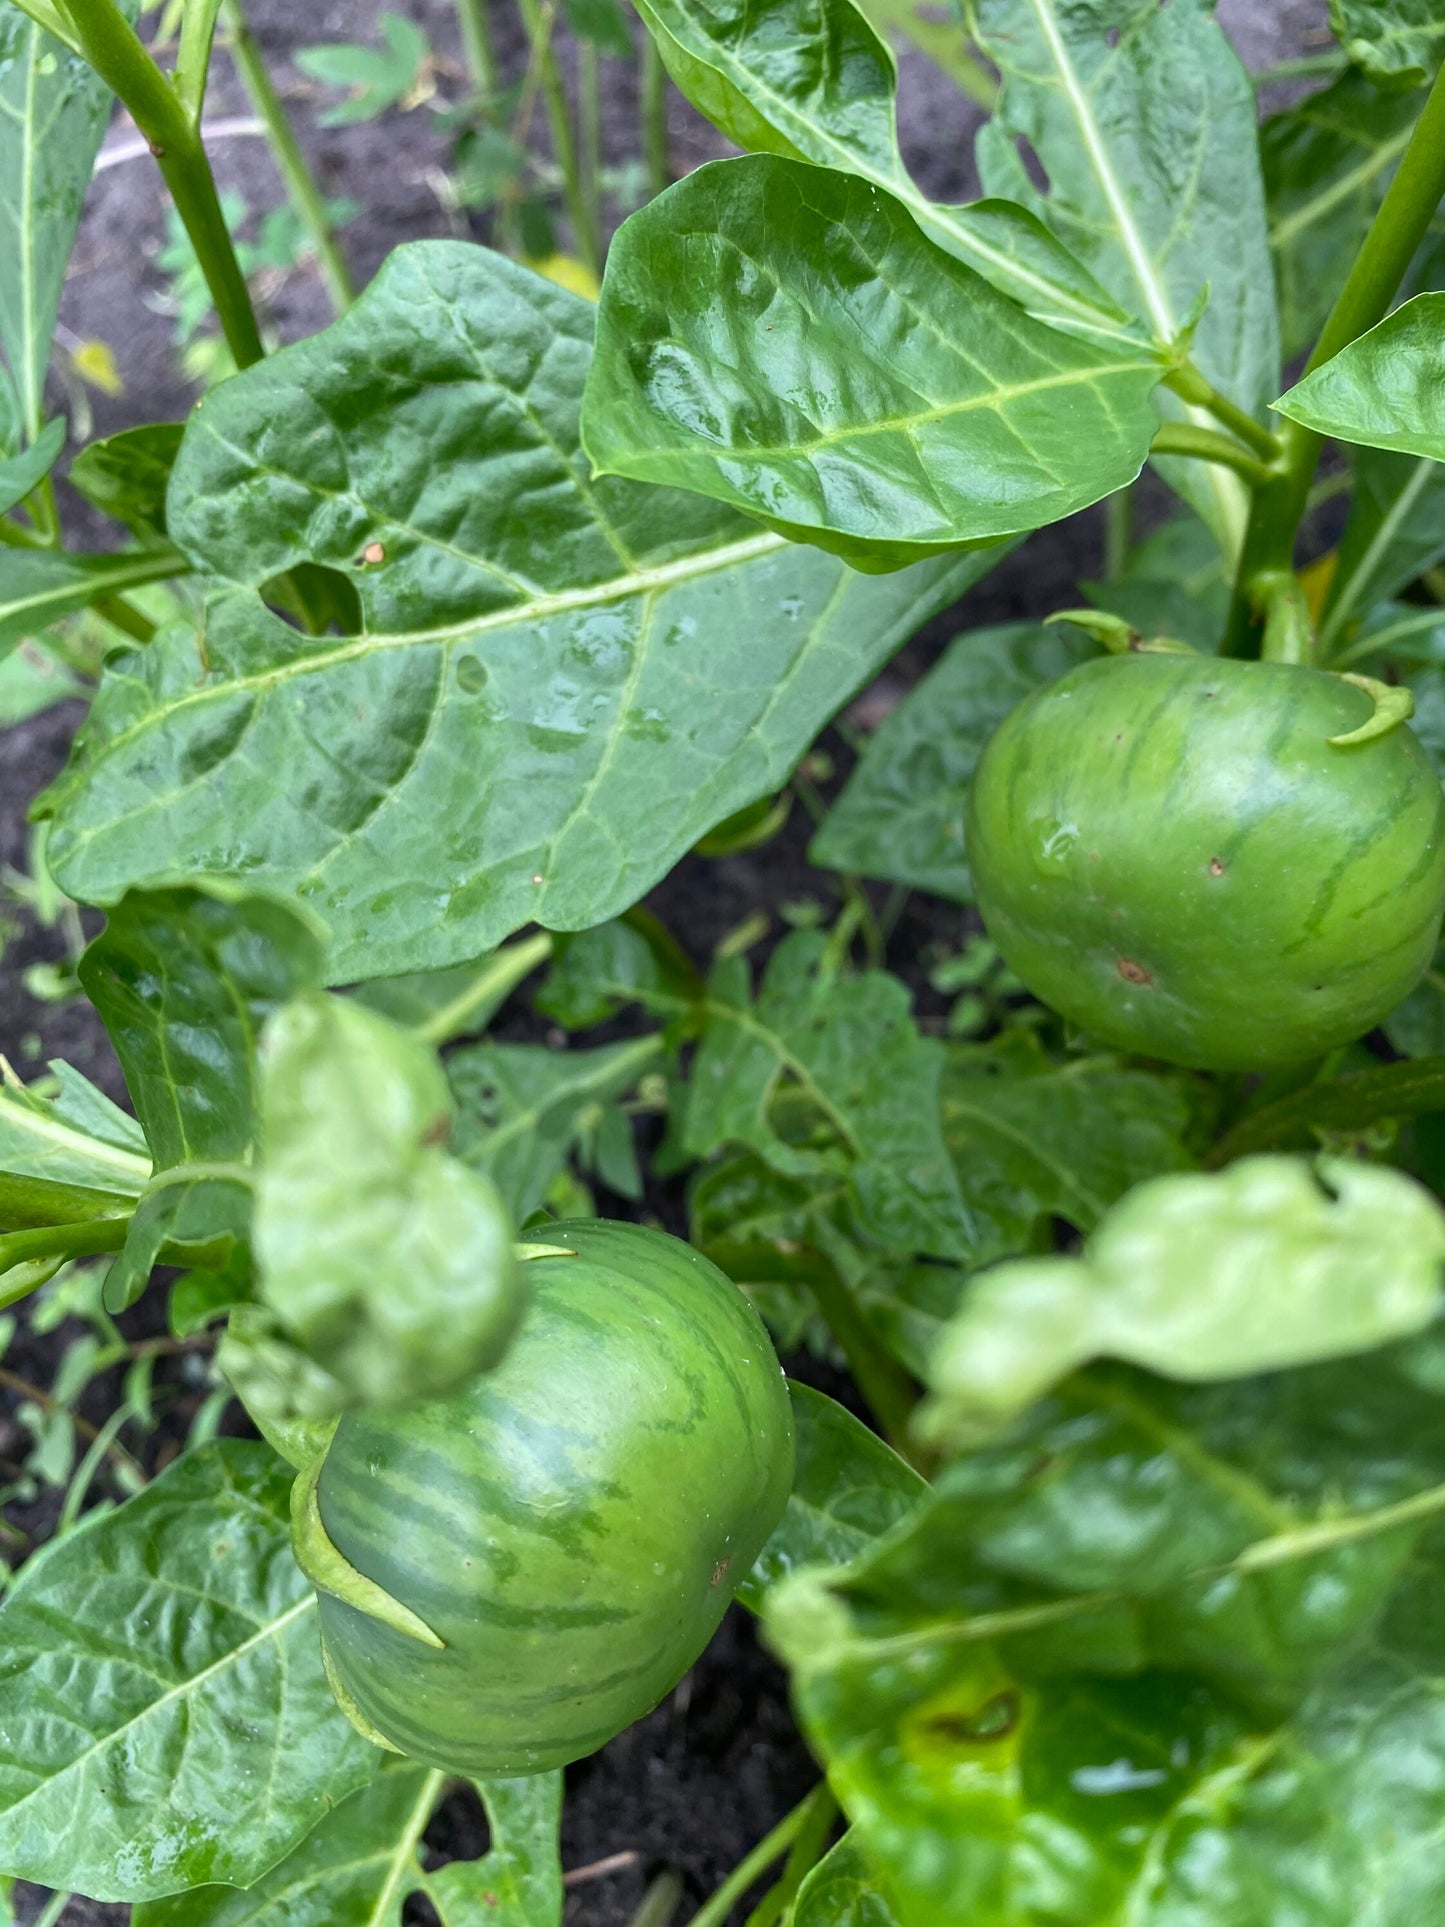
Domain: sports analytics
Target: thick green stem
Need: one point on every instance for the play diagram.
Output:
(714, 1912)
(86, 1240)
(475, 24)
(538, 22)
(1118, 532)
(1209, 445)
(1395, 233)
(302, 191)
(653, 105)
(114, 49)
(1188, 383)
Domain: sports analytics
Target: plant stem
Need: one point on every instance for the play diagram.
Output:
(653, 102)
(33, 1394)
(115, 51)
(1118, 530)
(1395, 233)
(1209, 445)
(302, 191)
(496, 978)
(538, 22)
(87, 1240)
(807, 1851)
(589, 93)
(659, 1903)
(193, 57)
(1188, 383)
(884, 1384)
(122, 614)
(714, 1912)
(475, 26)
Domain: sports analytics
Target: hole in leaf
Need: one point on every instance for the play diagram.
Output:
(1038, 174)
(316, 600)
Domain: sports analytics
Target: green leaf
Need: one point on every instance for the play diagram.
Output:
(387, 1261)
(1397, 42)
(866, 1082)
(1326, 162)
(126, 475)
(886, 413)
(1384, 388)
(901, 813)
(1201, 1277)
(937, 32)
(1030, 1139)
(1143, 121)
(37, 585)
(353, 1870)
(1344, 1104)
(378, 78)
(518, 1883)
(1162, 1657)
(184, 979)
(20, 474)
(556, 679)
(167, 1721)
(522, 1107)
(1395, 532)
(32, 680)
(603, 22)
(814, 82)
(53, 115)
(843, 1891)
(849, 1489)
(68, 1158)
(1416, 1027)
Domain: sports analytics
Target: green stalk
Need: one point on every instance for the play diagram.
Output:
(122, 614)
(589, 94)
(193, 56)
(1188, 383)
(86, 1240)
(653, 103)
(538, 22)
(301, 188)
(1395, 233)
(714, 1912)
(884, 1384)
(476, 30)
(659, 1903)
(1209, 445)
(115, 51)
(807, 1851)
(1118, 532)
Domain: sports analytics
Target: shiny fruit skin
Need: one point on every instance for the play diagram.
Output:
(573, 1524)
(1169, 851)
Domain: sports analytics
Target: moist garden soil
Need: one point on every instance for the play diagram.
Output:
(698, 1782)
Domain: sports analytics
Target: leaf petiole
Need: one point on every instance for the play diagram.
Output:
(1210, 445)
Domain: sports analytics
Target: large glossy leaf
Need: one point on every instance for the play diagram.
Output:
(68, 1157)
(849, 1489)
(1384, 389)
(560, 685)
(53, 115)
(1327, 161)
(846, 1050)
(167, 1720)
(1201, 1277)
(1167, 1656)
(811, 80)
(1397, 42)
(127, 475)
(901, 813)
(364, 1861)
(783, 338)
(1143, 122)
(1395, 532)
(386, 1260)
(521, 1107)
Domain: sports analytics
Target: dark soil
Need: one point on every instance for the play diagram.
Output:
(696, 1784)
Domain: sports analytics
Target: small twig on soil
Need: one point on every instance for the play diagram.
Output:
(599, 1869)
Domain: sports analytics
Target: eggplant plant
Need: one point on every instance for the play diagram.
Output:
(432, 644)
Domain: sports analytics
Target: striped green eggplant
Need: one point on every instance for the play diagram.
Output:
(1182, 856)
(529, 1566)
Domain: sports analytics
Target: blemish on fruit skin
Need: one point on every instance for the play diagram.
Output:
(1216, 868)
(1133, 973)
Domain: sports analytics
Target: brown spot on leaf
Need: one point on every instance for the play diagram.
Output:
(1216, 868)
(719, 1571)
(374, 552)
(996, 1719)
(1133, 973)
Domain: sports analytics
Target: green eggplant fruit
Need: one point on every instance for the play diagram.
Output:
(511, 1575)
(1181, 855)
